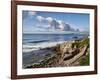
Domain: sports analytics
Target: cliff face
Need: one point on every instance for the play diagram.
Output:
(72, 53)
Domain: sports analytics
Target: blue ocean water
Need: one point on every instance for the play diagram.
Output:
(39, 38)
(32, 40)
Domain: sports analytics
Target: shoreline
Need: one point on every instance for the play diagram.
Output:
(61, 54)
(30, 48)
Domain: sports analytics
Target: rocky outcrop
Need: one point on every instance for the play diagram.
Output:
(71, 51)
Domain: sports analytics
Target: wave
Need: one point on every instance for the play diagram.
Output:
(29, 48)
(38, 41)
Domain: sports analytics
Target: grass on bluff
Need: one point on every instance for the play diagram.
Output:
(80, 44)
(85, 61)
(84, 42)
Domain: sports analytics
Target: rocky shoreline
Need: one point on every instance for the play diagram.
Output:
(71, 53)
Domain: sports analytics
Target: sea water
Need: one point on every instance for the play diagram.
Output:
(33, 42)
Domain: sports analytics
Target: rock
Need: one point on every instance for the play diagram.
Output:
(70, 52)
(67, 57)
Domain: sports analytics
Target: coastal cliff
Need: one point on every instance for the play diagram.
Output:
(70, 53)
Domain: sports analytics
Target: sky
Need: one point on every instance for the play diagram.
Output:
(36, 21)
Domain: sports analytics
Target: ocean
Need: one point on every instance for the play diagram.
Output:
(33, 42)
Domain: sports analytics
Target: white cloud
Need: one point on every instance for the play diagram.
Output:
(31, 13)
(61, 24)
(55, 24)
(64, 26)
(40, 18)
(49, 19)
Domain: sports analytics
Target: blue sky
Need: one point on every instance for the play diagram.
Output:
(35, 21)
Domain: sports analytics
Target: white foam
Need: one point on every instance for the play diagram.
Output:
(29, 48)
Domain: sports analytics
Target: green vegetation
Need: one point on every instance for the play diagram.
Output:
(85, 60)
(84, 42)
(80, 43)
